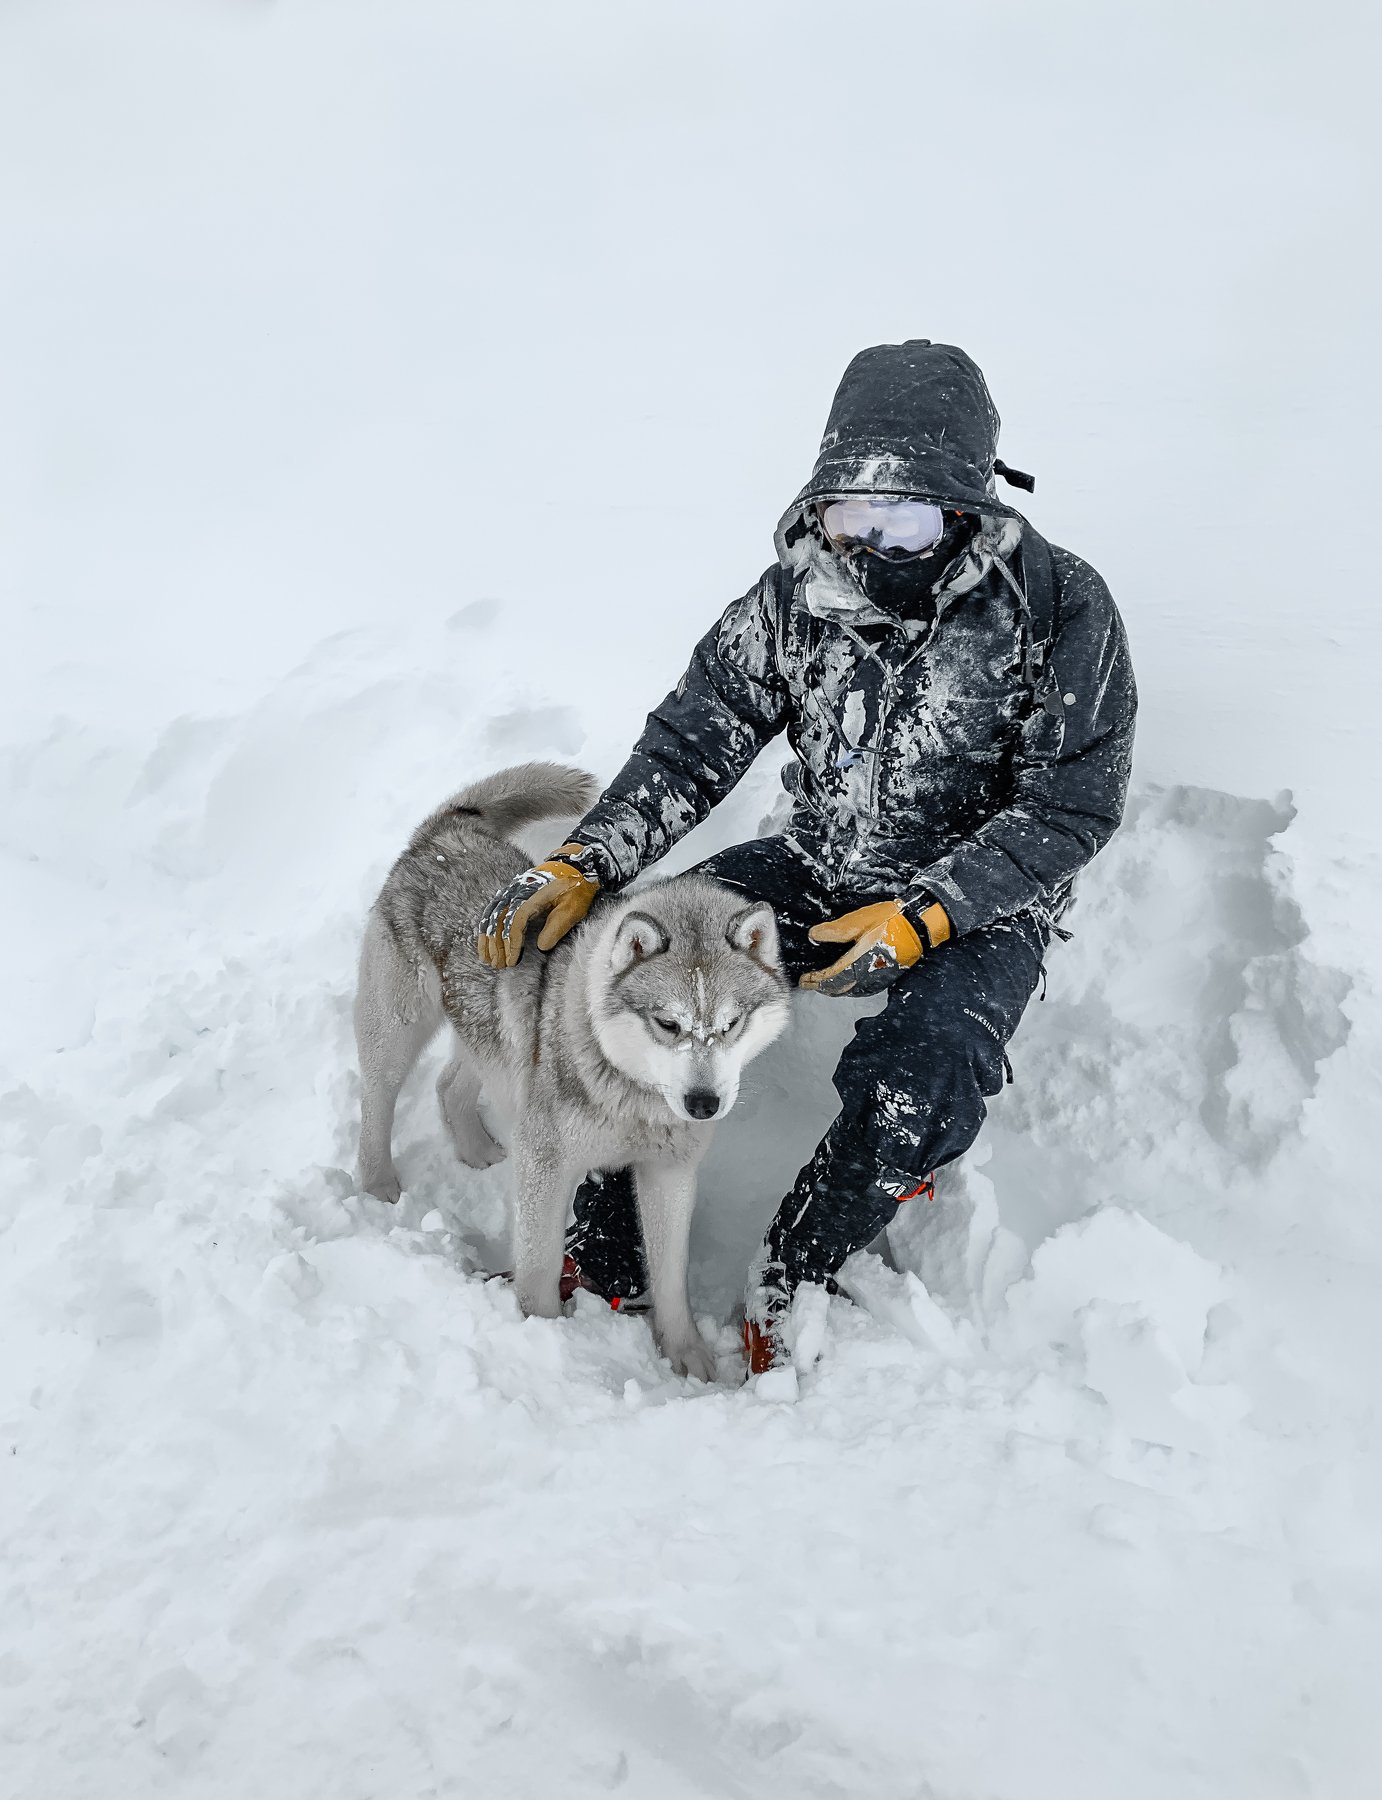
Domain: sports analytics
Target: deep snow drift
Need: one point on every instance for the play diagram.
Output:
(327, 505)
(289, 1493)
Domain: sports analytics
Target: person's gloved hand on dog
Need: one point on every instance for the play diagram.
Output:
(562, 890)
(885, 939)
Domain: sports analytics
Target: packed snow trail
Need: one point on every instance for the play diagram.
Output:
(296, 1504)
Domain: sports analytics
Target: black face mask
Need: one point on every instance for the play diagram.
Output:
(904, 588)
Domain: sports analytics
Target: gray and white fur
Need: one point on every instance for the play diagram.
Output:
(621, 1047)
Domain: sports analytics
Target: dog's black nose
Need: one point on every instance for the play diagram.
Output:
(701, 1103)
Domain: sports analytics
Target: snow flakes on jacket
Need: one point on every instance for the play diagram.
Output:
(978, 753)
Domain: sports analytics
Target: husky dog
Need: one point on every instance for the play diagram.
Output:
(619, 1047)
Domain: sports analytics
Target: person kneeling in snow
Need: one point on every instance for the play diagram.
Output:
(960, 700)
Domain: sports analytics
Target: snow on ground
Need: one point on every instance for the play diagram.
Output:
(321, 503)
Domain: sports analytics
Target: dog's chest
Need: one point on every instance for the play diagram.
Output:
(658, 1143)
(605, 1138)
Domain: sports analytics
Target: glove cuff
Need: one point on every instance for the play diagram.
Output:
(580, 857)
(928, 918)
(905, 939)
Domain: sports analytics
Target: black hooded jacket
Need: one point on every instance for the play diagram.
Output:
(973, 747)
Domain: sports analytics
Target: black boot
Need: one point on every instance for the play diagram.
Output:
(605, 1244)
(835, 1208)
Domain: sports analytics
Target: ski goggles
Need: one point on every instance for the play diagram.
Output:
(891, 528)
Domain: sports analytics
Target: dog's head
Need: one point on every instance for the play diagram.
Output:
(686, 986)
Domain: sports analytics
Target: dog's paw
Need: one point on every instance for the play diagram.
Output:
(470, 1137)
(386, 1187)
(538, 1303)
(478, 1150)
(690, 1356)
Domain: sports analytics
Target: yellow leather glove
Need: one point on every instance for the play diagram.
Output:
(883, 942)
(562, 888)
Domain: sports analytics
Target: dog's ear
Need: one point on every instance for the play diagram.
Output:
(639, 936)
(754, 931)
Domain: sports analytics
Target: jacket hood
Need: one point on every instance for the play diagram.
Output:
(915, 420)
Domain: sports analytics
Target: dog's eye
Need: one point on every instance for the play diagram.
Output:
(730, 1026)
(669, 1026)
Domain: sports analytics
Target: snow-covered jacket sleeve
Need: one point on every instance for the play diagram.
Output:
(1070, 773)
(697, 743)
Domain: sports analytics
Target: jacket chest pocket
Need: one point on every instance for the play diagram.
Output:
(954, 723)
(981, 726)
(969, 695)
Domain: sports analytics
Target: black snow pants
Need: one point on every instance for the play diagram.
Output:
(912, 1082)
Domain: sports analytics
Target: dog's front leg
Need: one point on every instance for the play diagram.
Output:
(666, 1199)
(544, 1182)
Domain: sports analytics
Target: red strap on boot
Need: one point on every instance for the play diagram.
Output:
(927, 1186)
(762, 1348)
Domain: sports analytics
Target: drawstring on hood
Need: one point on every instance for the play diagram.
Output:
(1014, 477)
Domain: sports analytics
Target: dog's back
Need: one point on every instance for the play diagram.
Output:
(460, 855)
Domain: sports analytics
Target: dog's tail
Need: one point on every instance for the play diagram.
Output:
(509, 799)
